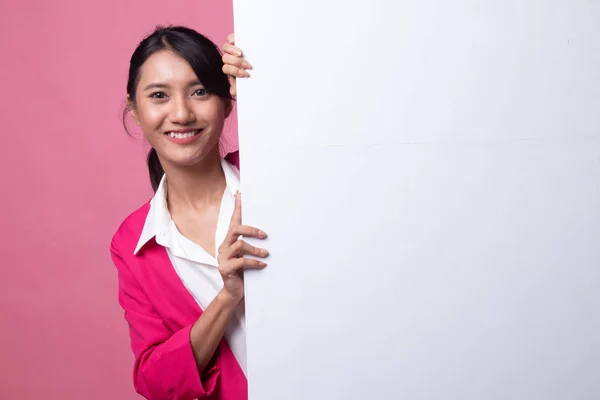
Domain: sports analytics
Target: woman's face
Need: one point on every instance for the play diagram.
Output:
(179, 119)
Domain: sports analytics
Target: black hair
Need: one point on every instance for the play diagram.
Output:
(200, 52)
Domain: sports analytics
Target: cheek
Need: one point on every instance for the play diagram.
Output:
(150, 118)
(213, 111)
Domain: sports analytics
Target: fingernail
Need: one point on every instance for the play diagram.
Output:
(262, 234)
(263, 264)
(263, 252)
(246, 65)
(243, 73)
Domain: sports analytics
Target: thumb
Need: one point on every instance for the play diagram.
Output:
(236, 218)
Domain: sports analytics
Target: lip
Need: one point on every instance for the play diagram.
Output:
(185, 140)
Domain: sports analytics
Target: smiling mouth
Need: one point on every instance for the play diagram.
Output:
(183, 135)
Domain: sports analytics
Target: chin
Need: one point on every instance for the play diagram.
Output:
(187, 158)
(186, 161)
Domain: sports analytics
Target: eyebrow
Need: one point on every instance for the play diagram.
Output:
(165, 86)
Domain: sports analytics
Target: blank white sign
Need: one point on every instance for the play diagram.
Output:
(429, 174)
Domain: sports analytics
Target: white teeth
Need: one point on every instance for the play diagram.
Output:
(182, 135)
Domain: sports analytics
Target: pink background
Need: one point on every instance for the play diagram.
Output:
(70, 174)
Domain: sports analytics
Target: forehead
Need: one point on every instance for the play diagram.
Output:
(166, 67)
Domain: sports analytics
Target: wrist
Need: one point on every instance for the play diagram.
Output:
(228, 299)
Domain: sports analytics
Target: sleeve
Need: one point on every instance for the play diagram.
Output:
(165, 367)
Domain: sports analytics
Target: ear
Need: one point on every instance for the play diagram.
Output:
(132, 110)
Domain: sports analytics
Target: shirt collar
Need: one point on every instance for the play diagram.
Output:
(232, 177)
(158, 221)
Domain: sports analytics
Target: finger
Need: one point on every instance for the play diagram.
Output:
(231, 38)
(233, 50)
(235, 61)
(238, 249)
(247, 231)
(236, 218)
(239, 264)
(232, 87)
(241, 248)
(234, 71)
(230, 245)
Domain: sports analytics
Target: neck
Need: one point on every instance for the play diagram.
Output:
(195, 186)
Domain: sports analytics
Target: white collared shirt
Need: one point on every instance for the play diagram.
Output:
(197, 269)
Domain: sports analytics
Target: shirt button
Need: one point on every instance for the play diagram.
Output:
(163, 238)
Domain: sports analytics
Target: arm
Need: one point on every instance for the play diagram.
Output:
(167, 363)
(208, 330)
(181, 365)
(210, 327)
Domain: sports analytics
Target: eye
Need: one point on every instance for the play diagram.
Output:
(200, 92)
(158, 95)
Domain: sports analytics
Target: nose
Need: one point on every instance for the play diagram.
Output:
(181, 113)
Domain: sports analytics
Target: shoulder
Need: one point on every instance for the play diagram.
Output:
(127, 235)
